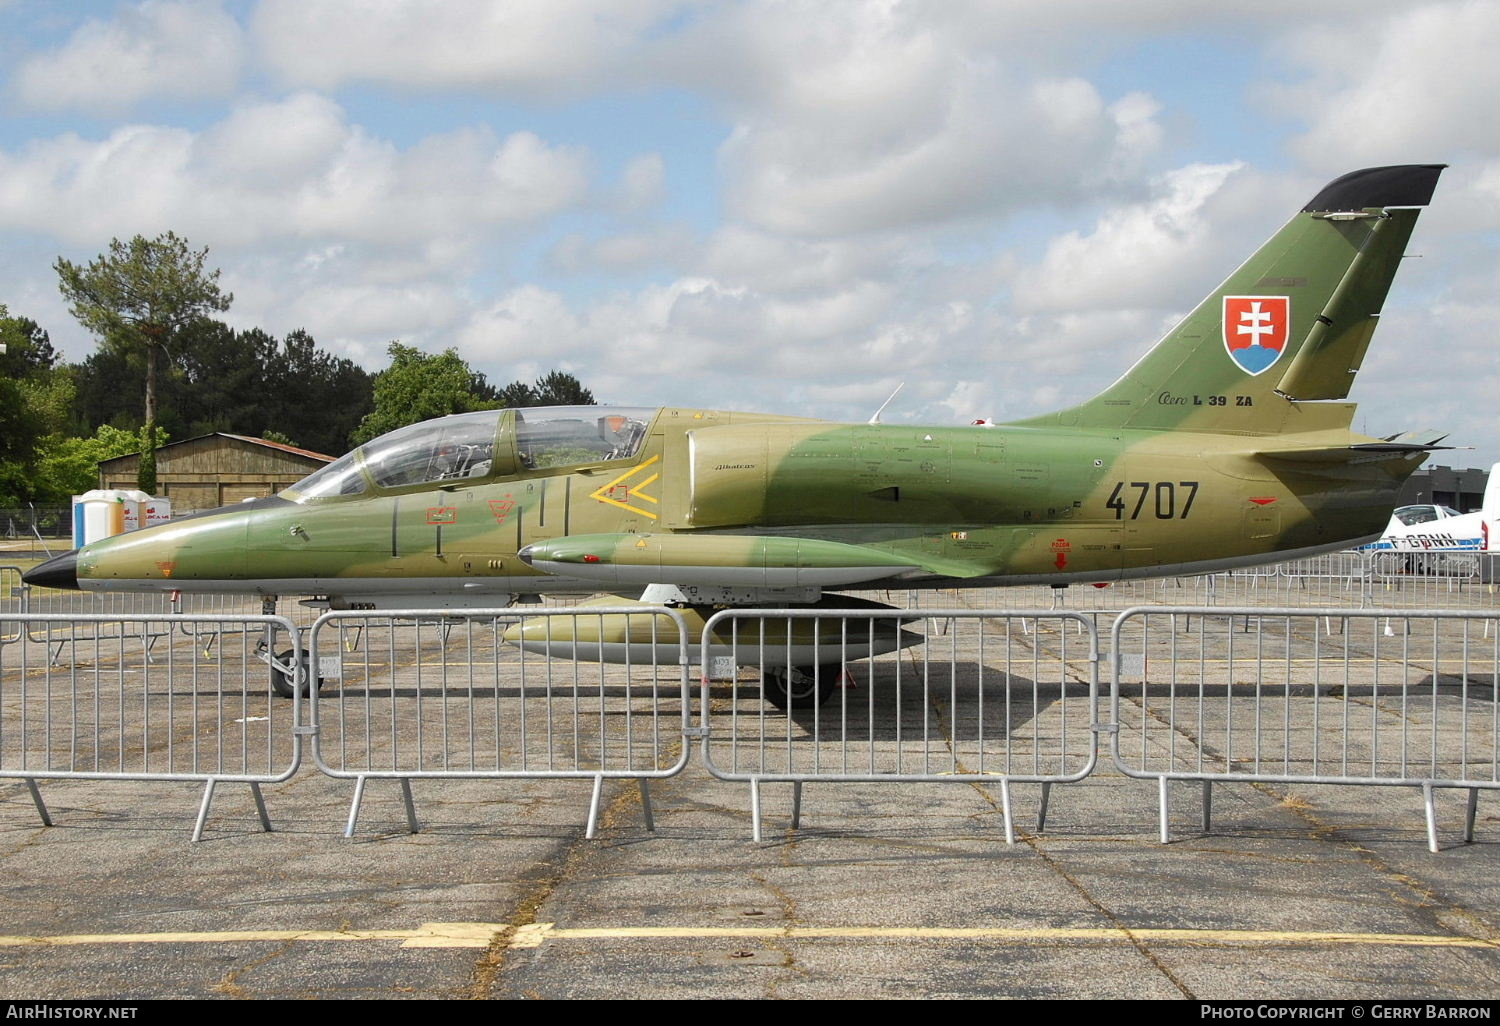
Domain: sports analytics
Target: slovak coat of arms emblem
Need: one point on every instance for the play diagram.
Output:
(1256, 329)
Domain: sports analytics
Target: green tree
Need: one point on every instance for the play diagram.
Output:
(141, 298)
(34, 401)
(222, 379)
(555, 388)
(315, 397)
(515, 395)
(244, 382)
(28, 349)
(559, 388)
(419, 386)
(70, 466)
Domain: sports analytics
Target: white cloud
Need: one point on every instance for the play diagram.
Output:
(534, 47)
(669, 245)
(275, 145)
(229, 185)
(159, 48)
(528, 323)
(832, 315)
(769, 262)
(1135, 254)
(1418, 85)
(870, 116)
(706, 342)
(968, 400)
(361, 310)
(644, 182)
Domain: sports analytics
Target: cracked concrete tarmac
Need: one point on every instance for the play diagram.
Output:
(905, 890)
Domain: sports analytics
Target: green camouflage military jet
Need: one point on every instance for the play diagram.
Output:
(1223, 446)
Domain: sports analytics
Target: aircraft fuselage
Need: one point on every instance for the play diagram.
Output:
(946, 507)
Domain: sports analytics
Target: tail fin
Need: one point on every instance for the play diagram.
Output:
(1491, 505)
(1291, 325)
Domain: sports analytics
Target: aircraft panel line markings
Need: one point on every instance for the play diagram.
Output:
(531, 935)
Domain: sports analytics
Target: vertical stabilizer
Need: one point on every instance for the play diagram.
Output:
(1291, 325)
(1491, 505)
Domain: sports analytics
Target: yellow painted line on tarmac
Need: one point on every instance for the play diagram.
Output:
(428, 935)
(533, 935)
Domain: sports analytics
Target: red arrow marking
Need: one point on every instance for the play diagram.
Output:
(1062, 560)
(1264, 502)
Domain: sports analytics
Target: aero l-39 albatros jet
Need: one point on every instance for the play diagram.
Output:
(1223, 446)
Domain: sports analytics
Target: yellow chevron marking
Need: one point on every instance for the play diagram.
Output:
(632, 492)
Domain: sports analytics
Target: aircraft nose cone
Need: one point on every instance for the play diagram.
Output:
(57, 572)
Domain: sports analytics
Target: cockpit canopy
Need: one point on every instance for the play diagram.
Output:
(1414, 515)
(477, 446)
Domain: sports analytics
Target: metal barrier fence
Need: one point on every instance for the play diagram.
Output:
(1103, 598)
(54, 522)
(106, 608)
(58, 618)
(1208, 694)
(1384, 580)
(1332, 696)
(116, 713)
(425, 694)
(986, 699)
(1354, 579)
(12, 601)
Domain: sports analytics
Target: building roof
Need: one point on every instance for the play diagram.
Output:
(307, 453)
(277, 445)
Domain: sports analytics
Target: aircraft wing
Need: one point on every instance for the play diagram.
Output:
(714, 559)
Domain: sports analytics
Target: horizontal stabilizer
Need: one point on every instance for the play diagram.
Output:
(1412, 441)
(713, 559)
(1410, 444)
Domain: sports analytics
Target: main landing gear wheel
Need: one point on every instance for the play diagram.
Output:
(801, 687)
(281, 681)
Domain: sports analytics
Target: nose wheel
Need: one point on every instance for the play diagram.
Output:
(282, 675)
(801, 687)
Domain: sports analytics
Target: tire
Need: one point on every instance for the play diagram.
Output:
(801, 687)
(281, 682)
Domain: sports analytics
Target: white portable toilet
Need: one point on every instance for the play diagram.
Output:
(148, 513)
(102, 513)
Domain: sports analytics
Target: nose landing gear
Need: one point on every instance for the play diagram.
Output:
(801, 687)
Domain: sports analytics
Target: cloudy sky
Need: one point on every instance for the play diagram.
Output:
(765, 204)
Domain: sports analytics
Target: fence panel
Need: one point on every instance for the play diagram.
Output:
(585, 693)
(101, 605)
(989, 696)
(1101, 599)
(1434, 580)
(1330, 696)
(147, 699)
(50, 522)
(12, 601)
